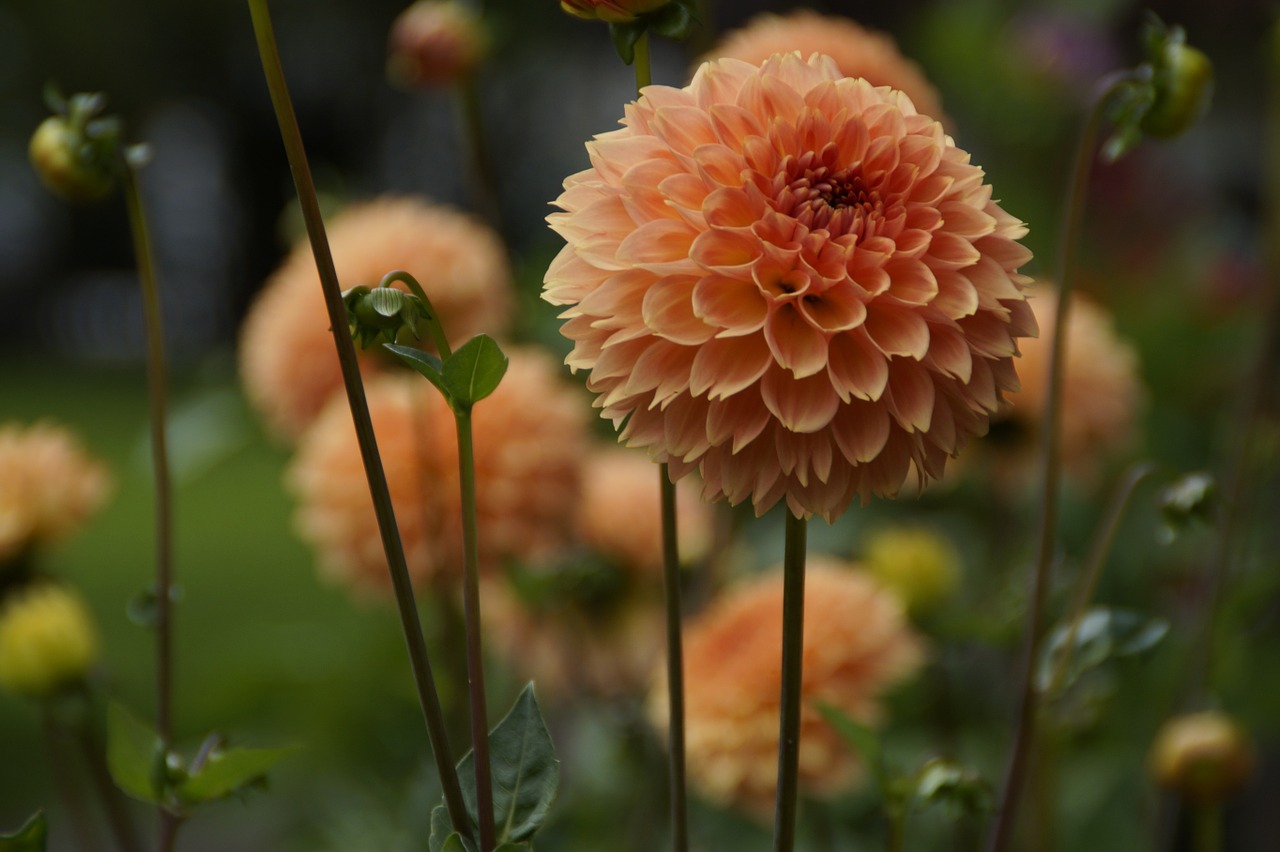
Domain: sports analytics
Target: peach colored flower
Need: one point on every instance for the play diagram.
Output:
(1102, 394)
(435, 42)
(287, 358)
(856, 644)
(49, 485)
(790, 281)
(528, 436)
(621, 514)
(857, 51)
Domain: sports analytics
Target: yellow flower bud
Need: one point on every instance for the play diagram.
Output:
(67, 163)
(47, 640)
(1204, 756)
(918, 565)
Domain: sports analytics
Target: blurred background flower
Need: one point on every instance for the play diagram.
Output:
(48, 640)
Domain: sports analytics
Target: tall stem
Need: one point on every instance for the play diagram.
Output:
(784, 821)
(68, 790)
(410, 624)
(1050, 464)
(156, 393)
(644, 72)
(675, 663)
(489, 199)
(471, 608)
(112, 800)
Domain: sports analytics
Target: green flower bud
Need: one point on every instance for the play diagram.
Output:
(47, 640)
(68, 163)
(1183, 81)
(379, 314)
(1204, 756)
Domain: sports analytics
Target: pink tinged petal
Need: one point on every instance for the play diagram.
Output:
(949, 352)
(617, 361)
(668, 311)
(929, 191)
(770, 99)
(824, 98)
(664, 241)
(612, 156)
(951, 251)
(910, 396)
(942, 425)
(720, 164)
(897, 330)
(644, 428)
(760, 155)
(956, 296)
(966, 220)
(778, 281)
(994, 286)
(641, 185)
(988, 335)
(856, 367)
(922, 218)
(800, 405)
(739, 418)
(569, 278)
(836, 309)
(851, 140)
(734, 305)
(726, 365)
(662, 368)
(616, 302)
(734, 124)
(719, 81)
(923, 152)
(683, 128)
(729, 208)
(911, 281)
(685, 431)
(725, 251)
(682, 190)
(912, 242)
(795, 343)
(1022, 321)
(981, 387)
(861, 431)
(1005, 252)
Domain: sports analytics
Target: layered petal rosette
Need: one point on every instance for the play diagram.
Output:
(791, 281)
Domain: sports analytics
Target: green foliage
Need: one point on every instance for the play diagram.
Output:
(32, 837)
(135, 755)
(227, 772)
(675, 20)
(1101, 635)
(473, 372)
(426, 364)
(862, 740)
(960, 790)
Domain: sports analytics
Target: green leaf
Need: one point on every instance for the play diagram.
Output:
(427, 365)
(30, 838)
(1103, 634)
(524, 769)
(442, 831)
(675, 20)
(625, 35)
(943, 782)
(474, 371)
(135, 755)
(227, 772)
(861, 739)
(454, 843)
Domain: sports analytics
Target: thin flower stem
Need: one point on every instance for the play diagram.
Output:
(68, 790)
(471, 608)
(1206, 828)
(784, 821)
(644, 70)
(1050, 463)
(156, 393)
(1102, 544)
(434, 328)
(675, 663)
(123, 831)
(489, 199)
(410, 623)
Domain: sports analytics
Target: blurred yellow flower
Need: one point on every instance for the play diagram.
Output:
(47, 640)
(917, 564)
(1204, 756)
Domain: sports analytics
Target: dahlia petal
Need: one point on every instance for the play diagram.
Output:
(724, 251)
(734, 305)
(733, 124)
(881, 156)
(739, 418)
(942, 425)
(852, 139)
(911, 281)
(836, 309)
(1022, 321)
(861, 431)
(685, 428)
(770, 99)
(951, 251)
(668, 311)
(617, 360)
(720, 164)
(956, 297)
(726, 365)
(684, 128)
(993, 284)
(1006, 252)
(658, 243)
(910, 396)
(912, 242)
(795, 343)
(613, 155)
(616, 302)
(966, 220)
(949, 353)
(981, 386)
(922, 152)
(929, 190)
(897, 330)
(719, 82)
(729, 208)
(856, 367)
(801, 405)
(684, 191)
(988, 336)
(569, 279)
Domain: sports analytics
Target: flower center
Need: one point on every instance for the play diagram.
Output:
(838, 201)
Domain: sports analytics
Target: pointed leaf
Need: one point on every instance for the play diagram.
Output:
(30, 838)
(454, 843)
(625, 36)
(135, 755)
(675, 21)
(1103, 634)
(860, 738)
(524, 769)
(227, 772)
(427, 365)
(474, 371)
(442, 831)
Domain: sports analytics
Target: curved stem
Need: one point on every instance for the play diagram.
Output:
(411, 625)
(1050, 463)
(675, 663)
(784, 821)
(156, 393)
(434, 327)
(471, 608)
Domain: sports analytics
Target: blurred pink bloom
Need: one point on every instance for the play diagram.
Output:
(433, 43)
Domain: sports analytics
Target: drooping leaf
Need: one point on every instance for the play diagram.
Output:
(861, 739)
(1103, 634)
(427, 365)
(227, 772)
(675, 20)
(474, 371)
(943, 782)
(32, 837)
(625, 35)
(135, 755)
(524, 769)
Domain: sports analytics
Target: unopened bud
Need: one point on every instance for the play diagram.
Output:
(1204, 756)
(68, 162)
(611, 11)
(1183, 80)
(435, 42)
(47, 640)
(379, 314)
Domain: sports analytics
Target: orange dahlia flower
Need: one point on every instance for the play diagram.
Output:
(287, 358)
(857, 51)
(791, 281)
(856, 644)
(527, 436)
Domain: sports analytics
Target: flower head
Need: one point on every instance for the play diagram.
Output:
(47, 640)
(856, 644)
(791, 281)
(527, 437)
(435, 42)
(611, 11)
(1204, 756)
(287, 359)
(857, 51)
(48, 485)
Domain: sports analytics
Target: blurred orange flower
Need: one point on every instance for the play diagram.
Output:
(435, 42)
(528, 436)
(790, 281)
(857, 643)
(287, 358)
(857, 51)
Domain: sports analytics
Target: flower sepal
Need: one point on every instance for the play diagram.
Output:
(674, 20)
(379, 314)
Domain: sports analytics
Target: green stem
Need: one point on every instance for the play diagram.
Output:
(434, 327)
(896, 836)
(1207, 828)
(156, 393)
(471, 609)
(113, 802)
(486, 181)
(675, 663)
(644, 72)
(1050, 463)
(68, 790)
(1102, 544)
(784, 823)
(411, 625)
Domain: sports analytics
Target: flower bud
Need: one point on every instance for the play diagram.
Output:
(918, 565)
(379, 314)
(433, 43)
(611, 11)
(69, 163)
(1204, 756)
(47, 640)
(1183, 80)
